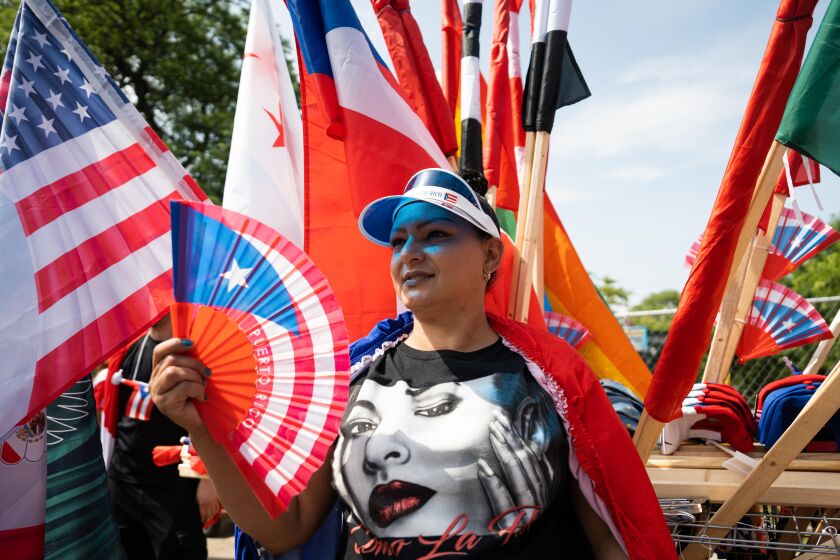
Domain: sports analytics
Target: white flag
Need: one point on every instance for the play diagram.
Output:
(265, 170)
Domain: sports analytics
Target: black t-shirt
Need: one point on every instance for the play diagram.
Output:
(132, 458)
(454, 454)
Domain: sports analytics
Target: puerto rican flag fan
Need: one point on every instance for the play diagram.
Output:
(567, 328)
(779, 319)
(266, 323)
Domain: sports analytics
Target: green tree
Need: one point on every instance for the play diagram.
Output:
(177, 60)
(614, 295)
(666, 299)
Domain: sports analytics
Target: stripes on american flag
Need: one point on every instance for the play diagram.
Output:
(91, 184)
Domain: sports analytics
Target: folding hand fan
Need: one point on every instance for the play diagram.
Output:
(779, 319)
(567, 328)
(691, 256)
(795, 243)
(266, 323)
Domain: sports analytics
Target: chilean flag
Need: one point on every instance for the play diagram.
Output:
(385, 142)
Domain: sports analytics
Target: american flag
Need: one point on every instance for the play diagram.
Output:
(85, 186)
(139, 405)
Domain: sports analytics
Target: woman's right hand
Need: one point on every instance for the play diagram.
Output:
(176, 380)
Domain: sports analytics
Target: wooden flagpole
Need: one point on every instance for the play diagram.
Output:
(452, 162)
(531, 232)
(819, 410)
(646, 435)
(824, 347)
(716, 366)
(742, 294)
(521, 215)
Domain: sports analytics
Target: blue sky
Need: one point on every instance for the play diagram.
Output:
(634, 170)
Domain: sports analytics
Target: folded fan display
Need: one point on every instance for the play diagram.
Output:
(780, 402)
(712, 411)
(626, 404)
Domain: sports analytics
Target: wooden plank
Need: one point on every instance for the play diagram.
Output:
(709, 461)
(793, 488)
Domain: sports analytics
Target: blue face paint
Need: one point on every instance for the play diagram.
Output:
(423, 216)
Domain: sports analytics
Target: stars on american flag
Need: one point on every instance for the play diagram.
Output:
(50, 99)
(82, 111)
(47, 126)
(62, 74)
(87, 88)
(35, 61)
(8, 143)
(18, 114)
(55, 100)
(27, 86)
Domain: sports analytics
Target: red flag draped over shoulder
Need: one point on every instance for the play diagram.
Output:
(691, 329)
(415, 71)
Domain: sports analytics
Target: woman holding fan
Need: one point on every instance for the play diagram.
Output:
(465, 434)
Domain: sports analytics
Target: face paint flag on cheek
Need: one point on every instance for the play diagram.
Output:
(265, 322)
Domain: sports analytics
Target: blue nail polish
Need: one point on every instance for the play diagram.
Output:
(207, 371)
(186, 342)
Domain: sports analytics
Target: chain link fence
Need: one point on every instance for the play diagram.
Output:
(750, 377)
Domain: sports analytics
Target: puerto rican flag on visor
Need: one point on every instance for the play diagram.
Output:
(435, 186)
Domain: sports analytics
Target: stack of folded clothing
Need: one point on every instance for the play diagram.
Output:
(781, 401)
(712, 411)
(626, 404)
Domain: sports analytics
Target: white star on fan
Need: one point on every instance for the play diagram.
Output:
(788, 325)
(236, 276)
(17, 114)
(55, 100)
(82, 111)
(47, 126)
(66, 53)
(63, 74)
(27, 86)
(41, 38)
(88, 89)
(35, 61)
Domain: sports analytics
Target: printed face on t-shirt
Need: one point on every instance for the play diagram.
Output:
(414, 460)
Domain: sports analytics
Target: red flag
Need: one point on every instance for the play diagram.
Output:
(452, 28)
(691, 329)
(415, 71)
(503, 126)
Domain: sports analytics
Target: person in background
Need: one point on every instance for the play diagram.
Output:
(159, 514)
